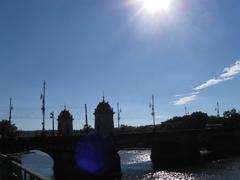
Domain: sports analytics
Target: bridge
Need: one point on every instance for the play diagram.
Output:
(61, 149)
(168, 147)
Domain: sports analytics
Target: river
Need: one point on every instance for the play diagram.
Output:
(136, 164)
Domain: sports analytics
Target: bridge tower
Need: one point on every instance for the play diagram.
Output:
(65, 123)
(104, 117)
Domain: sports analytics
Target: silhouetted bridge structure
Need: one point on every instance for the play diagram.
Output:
(171, 149)
(167, 146)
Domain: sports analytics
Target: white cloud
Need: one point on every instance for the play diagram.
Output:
(179, 95)
(231, 71)
(228, 73)
(185, 100)
(195, 93)
(208, 83)
(187, 94)
(228, 78)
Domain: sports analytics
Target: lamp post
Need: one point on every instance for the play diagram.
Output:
(86, 119)
(10, 111)
(118, 113)
(43, 108)
(52, 117)
(153, 112)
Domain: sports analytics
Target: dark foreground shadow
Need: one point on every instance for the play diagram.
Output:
(95, 157)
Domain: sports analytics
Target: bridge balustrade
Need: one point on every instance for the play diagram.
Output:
(11, 170)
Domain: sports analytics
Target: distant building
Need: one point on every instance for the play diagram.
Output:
(65, 123)
(104, 118)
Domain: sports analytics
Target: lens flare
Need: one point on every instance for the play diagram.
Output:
(155, 6)
(95, 154)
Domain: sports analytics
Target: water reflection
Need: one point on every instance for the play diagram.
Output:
(163, 175)
(136, 164)
(134, 156)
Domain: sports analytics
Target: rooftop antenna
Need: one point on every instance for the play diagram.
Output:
(186, 111)
(153, 111)
(86, 118)
(10, 111)
(43, 108)
(217, 109)
(118, 113)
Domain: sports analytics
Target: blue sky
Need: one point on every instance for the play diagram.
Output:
(186, 56)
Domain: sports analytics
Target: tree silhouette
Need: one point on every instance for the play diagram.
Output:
(228, 114)
(231, 118)
(7, 129)
(196, 120)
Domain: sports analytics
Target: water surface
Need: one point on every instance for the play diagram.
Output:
(136, 164)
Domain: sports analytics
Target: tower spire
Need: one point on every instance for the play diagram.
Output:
(103, 97)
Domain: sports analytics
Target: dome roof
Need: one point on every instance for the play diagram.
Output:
(104, 108)
(65, 115)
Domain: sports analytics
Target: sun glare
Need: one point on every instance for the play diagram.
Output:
(155, 6)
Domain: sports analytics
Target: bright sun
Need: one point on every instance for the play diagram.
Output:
(155, 6)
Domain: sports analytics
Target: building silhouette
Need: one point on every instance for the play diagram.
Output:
(104, 118)
(65, 123)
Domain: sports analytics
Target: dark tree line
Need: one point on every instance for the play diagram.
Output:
(7, 129)
(200, 120)
(196, 120)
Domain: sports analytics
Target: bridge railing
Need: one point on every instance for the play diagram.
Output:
(11, 170)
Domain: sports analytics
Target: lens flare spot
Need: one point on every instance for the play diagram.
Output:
(96, 154)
